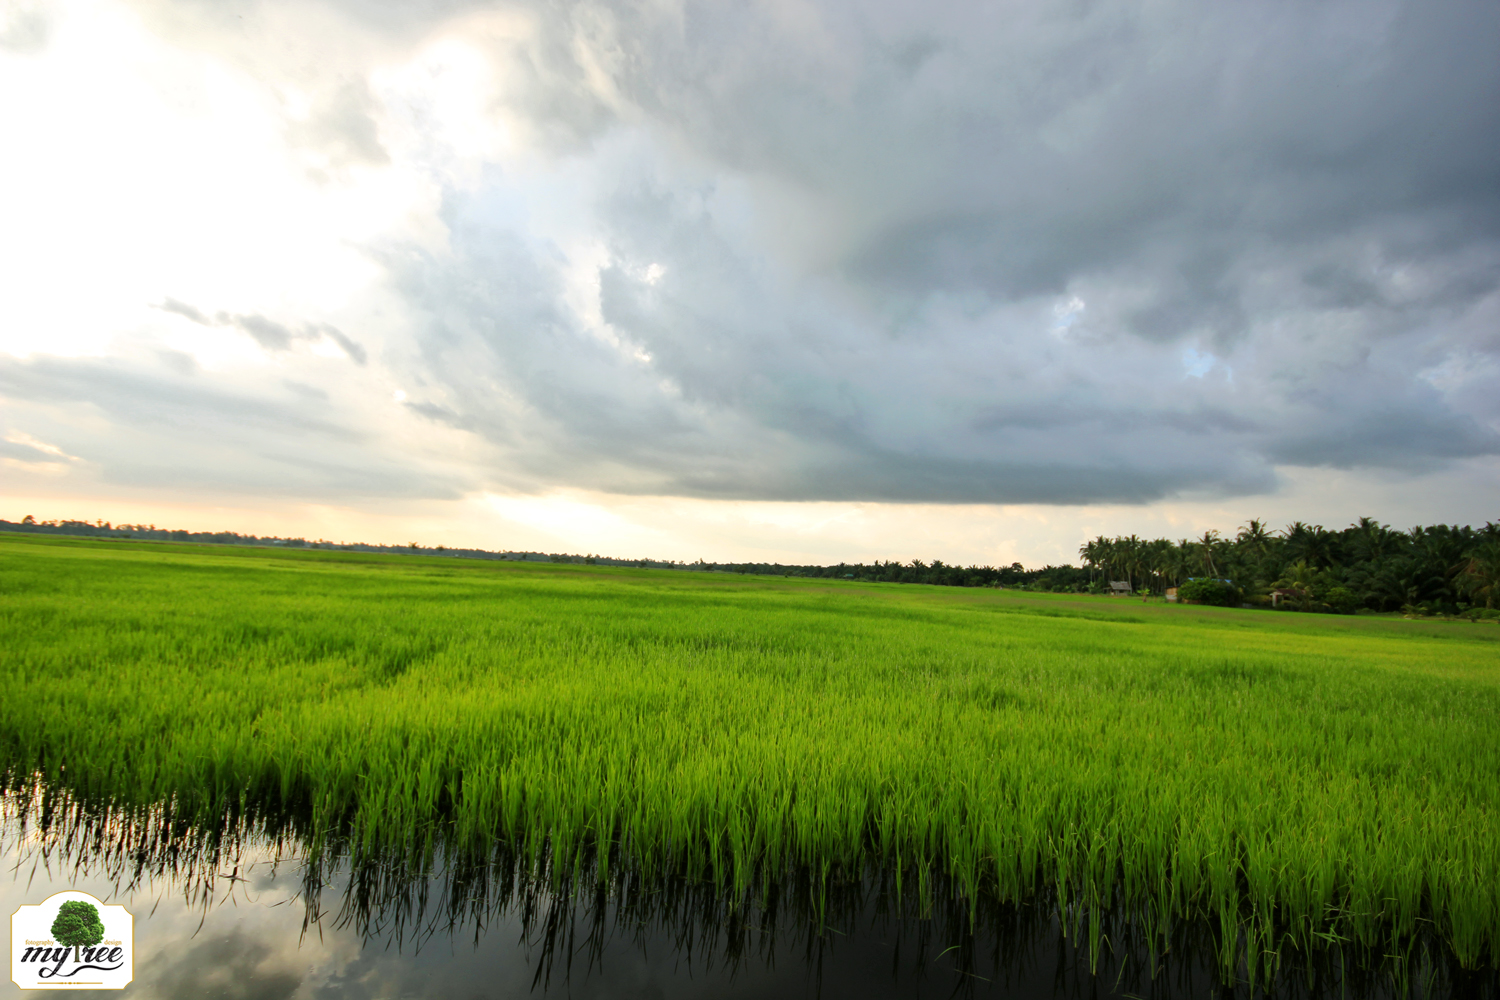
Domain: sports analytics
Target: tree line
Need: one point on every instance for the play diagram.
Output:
(937, 573)
(1441, 569)
(152, 533)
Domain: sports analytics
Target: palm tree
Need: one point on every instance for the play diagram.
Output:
(1313, 544)
(1300, 577)
(1373, 542)
(1255, 547)
(1135, 559)
(1481, 573)
(1159, 559)
(1253, 538)
(1097, 553)
(1206, 546)
(1182, 554)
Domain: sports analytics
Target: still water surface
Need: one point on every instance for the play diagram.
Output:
(256, 921)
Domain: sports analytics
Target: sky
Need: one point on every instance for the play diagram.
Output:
(792, 280)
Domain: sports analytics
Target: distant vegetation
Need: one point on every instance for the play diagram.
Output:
(151, 533)
(1300, 781)
(1438, 570)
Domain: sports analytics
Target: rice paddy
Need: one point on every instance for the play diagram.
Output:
(1297, 780)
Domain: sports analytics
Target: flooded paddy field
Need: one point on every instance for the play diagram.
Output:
(564, 777)
(258, 917)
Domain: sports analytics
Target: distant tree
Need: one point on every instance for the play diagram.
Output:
(1371, 541)
(1208, 592)
(1160, 560)
(1342, 599)
(1126, 555)
(1177, 561)
(1301, 579)
(1440, 554)
(1254, 538)
(1208, 547)
(1311, 543)
(1481, 574)
(1092, 553)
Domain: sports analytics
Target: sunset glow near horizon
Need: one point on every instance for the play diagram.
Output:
(799, 282)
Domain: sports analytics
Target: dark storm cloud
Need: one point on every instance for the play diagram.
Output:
(1305, 197)
(1394, 435)
(1039, 252)
(1036, 142)
(707, 392)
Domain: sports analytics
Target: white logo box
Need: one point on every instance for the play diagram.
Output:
(38, 962)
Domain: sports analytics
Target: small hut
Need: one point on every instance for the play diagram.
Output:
(1285, 592)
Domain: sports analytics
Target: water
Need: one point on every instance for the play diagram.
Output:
(251, 917)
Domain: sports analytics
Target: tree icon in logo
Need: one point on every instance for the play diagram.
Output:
(78, 925)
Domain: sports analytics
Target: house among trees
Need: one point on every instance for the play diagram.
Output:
(1119, 588)
(1285, 593)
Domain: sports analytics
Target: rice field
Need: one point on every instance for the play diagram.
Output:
(1299, 780)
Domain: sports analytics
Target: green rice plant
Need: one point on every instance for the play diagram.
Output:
(1295, 779)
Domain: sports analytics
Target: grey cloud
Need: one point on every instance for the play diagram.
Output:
(442, 415)
(25, 452)
(178, 361)
(269, 334)
(1068, 140)
(238, 965)
(207, 435)
(137, 398)
(1388, 435)
(920, 479)
(1199, 417)
(305, 390)
(342, 127)
(400, 17)
(1341, 286)
(25, 27)
(842, 239)
(183, 309)
(768, 406)
(355, 352)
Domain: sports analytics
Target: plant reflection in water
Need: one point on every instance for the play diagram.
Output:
(507, 923)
